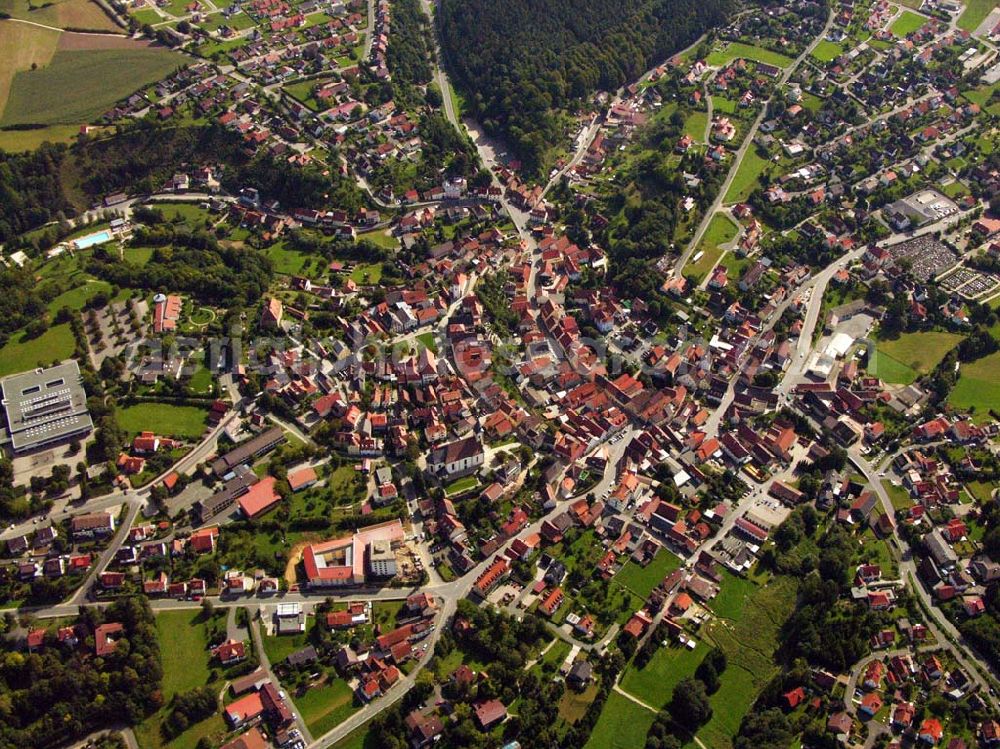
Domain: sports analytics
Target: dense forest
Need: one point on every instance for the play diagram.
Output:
(50, 697)
(519, 61)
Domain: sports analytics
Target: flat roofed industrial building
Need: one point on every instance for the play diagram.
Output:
(45, 406)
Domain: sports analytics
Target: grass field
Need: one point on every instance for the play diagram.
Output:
(22, 46)
(975, 13)
(287, 261)
(15, 141)
(165, 419)
(325, 707)
(907, 23)
(461, 485)
(381, 239)
(63, 14)
(279, 647)
(55, 344)
(428, 342)
(747, 176)
(736, 50)
(302, 91)
(573, 705)
(76, 298)
(827, 51)
(357, 739)
(182, 635)
(655, 683)
(978, 386)
(367, 273)
(899, 497)
(622, 725)
(696, 124)
(724, 105)
(641, 580)
(748, 635)
(733, 596)
(721, 230)
(903, 359)
(78, 86)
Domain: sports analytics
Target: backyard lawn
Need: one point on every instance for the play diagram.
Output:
(827, 51)
(367, 273)
(641, 580)
(187, 422)
(279, 647)
(899, 497)
(327, 706)
(907, 23)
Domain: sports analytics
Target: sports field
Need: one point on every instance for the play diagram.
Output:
(79, 85)
(85, 15)
(904, 359)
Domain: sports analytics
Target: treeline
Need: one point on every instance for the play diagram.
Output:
(519, 61)
(409, 55)
(20, 302)
(58, 181)
(54, 696)
(192, 263)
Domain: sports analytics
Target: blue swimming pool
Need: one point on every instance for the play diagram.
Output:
(91, 240)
